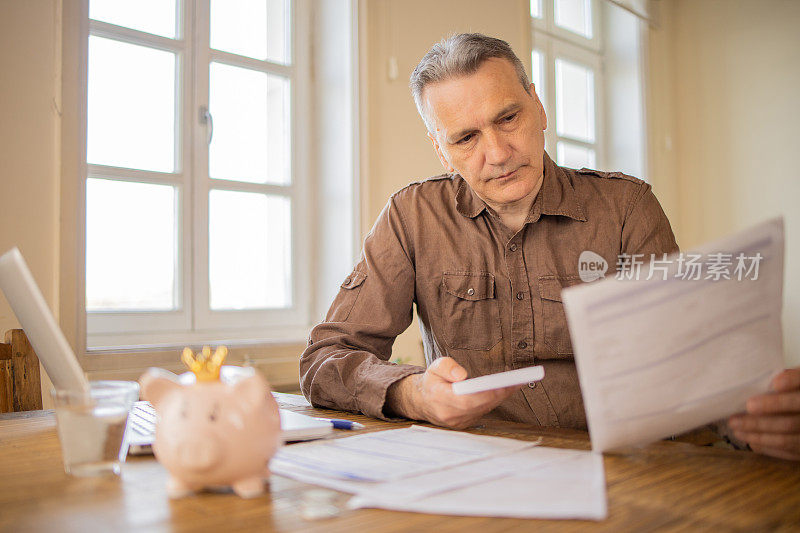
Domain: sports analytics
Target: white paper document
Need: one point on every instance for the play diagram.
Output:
(294, 400)
(660, 356)
(437, 471)
(389, 455)
(532, 483)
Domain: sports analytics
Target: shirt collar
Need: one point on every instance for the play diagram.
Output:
(556, 197)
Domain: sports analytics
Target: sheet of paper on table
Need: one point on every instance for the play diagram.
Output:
(535, 482)
(390, 455)
(446, 472)
(661, 356)
(294, 400)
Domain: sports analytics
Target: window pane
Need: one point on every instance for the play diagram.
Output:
(131, 106)
(253, 28)
(249, 251)
(130, 246)
(575, 156)
(575, 16)
(537, 73)
(251, 126)
(536, 9)
(574, 101)
(152, 16)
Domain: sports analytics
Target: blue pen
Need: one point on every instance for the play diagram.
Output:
(339, 423)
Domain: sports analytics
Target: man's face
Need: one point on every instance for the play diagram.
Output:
(491, 131)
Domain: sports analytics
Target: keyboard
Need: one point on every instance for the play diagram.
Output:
(142, 418)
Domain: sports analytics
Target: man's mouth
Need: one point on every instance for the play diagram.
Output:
(507, 175)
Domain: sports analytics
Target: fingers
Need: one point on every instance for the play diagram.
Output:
(765, 424)
(776, 452)
(444, 408)
(447, 369)
(787, 381)
(504, 393)
(477, 400)
(460, 411)
(774, 403)
(789, 443)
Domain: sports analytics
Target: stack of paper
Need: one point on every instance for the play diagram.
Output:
(446, 472)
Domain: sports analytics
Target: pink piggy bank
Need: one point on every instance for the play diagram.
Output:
(212, 433)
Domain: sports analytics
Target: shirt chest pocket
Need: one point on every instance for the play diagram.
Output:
(554, 321)
(470, 315)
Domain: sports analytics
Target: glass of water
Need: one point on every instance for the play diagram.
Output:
(91, 427)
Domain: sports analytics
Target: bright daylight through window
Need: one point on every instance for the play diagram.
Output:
(191, 188)
(565, 67)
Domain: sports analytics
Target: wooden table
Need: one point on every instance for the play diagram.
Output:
(664, 486)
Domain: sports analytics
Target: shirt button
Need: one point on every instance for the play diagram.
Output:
(513, 247)
(532, 385)
(346, 281)
(520, 295)
(522, 345)
(470, 291)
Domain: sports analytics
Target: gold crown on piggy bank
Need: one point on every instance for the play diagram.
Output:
(204, 365)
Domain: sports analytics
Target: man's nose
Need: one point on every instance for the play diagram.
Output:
(496, 148)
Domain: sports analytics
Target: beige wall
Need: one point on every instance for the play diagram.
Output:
(731, 110)
(29, 150)
(29, 143)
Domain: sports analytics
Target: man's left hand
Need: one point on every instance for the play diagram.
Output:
(771, 425)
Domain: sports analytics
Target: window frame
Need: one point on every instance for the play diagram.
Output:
(554, 43)
(547, 25)
(194, 321)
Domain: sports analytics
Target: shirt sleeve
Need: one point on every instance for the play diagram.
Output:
(346, 364)
(646, 229)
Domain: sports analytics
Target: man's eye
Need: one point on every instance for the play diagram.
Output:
(465, 140)
(509, 118)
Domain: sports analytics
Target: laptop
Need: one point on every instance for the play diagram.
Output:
(141, 428)
(65, 372)
(294, 426)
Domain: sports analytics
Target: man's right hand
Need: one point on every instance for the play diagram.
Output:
(429, 396)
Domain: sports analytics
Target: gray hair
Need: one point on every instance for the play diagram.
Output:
(459, 55)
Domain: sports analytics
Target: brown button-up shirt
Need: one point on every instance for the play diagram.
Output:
(486, 297)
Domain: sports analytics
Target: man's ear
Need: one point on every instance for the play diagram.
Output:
(439, 153)
(542, 115)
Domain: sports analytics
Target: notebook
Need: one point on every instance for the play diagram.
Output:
(65, 372)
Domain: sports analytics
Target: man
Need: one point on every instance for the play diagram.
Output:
(484, 251)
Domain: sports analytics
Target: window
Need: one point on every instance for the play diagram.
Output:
(195, 186)
(566, 70)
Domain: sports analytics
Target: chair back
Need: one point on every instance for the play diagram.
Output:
(20, 382)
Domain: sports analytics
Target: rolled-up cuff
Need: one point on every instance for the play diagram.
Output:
(371, 396)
